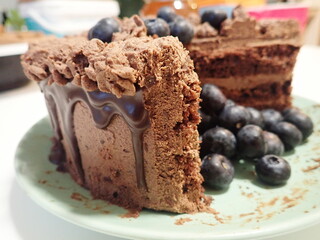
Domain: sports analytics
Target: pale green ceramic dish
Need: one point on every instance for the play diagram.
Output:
(247, 210)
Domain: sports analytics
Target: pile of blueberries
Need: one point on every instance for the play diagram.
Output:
(230, 132)
(169, 23)
(166, 23)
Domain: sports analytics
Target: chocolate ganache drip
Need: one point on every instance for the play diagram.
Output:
(103, 106)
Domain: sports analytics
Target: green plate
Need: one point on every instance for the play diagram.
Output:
(247, 210)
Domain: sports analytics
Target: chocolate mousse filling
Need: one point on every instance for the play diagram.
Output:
(103, 106)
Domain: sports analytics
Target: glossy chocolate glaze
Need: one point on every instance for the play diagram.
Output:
(103, 106)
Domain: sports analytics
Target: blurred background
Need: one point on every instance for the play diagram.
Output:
(22, 21)
(64, 17)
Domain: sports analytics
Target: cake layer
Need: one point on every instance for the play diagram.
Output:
(268, 95)
(126, 115)
(246, 61)
(246, 82)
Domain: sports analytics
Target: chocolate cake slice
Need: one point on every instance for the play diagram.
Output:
(250, 61)
(125, 118)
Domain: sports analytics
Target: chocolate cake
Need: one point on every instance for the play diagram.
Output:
(250, 61)
(125, 117)
(125, 113)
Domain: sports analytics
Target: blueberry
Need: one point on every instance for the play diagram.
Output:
(234, 117)
(302, 121)
(157, 26)
(214, 18)
(290, 110)
(229, 103)
(273, 170)
(167, 13)
(213, 100)
(207, 122)
(289, 134)
(274, 144)
(255, 117)
(217, 171)
(271, 117)
(251, 143)
(182, 29)
(218, 140)
(104, 29)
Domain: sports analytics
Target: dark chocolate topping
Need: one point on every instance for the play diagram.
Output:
(103, 106)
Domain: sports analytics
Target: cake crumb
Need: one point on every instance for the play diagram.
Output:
(182, 221)
(270, 203)
(298, 194)
(48, 184)
(248, 195)
(78, 197)
(311, 168)
(105, 212)
(42, 181)
(315, 148)
(246, 214)
(131, 214)
(209, 224)
(310, 182)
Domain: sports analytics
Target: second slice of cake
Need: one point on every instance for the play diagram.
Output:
(250, 60)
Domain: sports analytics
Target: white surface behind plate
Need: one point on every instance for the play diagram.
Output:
(13, 49)
(21, 218)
